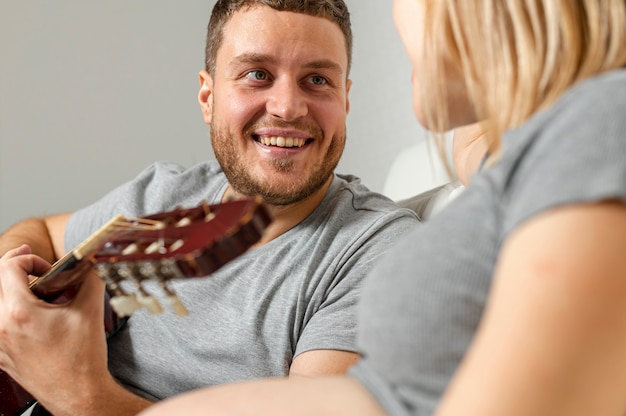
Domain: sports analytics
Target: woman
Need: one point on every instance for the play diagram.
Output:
(511, 300)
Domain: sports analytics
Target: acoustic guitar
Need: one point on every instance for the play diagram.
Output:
(178, 244)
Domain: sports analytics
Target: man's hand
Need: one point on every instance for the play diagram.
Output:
(57, 353)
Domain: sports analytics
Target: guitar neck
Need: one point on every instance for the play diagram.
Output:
(178, 244)
(69, 271)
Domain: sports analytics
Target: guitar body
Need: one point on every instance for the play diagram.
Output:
(184, 243)
(15, 400)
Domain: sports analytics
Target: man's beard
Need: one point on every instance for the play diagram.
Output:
(278, 194)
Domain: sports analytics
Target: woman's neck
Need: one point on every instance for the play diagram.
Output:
(468, 150)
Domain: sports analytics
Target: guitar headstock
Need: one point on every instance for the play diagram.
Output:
(178, 244)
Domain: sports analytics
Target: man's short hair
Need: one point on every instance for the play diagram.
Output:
(334, 10)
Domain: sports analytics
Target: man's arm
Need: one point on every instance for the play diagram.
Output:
(335, 320)
(322, 363)
(45, 236)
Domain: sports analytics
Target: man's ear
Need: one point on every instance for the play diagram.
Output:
(204, 96)
(348, 86)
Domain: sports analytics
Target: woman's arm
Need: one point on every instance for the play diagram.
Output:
(553, 338)
(302, 396)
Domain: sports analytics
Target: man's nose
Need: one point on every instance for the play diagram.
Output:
(287, 101)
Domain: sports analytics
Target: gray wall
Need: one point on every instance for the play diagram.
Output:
(93, 91)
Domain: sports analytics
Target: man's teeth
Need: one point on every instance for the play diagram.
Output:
(282, 141)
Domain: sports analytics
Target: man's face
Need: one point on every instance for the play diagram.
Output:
(278, 103)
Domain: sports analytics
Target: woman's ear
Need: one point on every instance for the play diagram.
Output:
(204, 96)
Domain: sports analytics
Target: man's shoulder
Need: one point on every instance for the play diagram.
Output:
(353, 197)
(169, 180)
(355, 222)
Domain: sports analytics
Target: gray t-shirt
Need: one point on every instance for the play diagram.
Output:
(422, 303)
(253, 316)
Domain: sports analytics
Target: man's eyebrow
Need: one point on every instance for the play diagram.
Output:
(258, 58)
(253, 58)
(325, 64)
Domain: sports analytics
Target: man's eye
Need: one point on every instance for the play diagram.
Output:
(257, 75)
(318, 80)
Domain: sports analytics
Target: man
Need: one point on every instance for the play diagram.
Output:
(275, 93)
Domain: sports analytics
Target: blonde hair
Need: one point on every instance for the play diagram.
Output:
(519, 56)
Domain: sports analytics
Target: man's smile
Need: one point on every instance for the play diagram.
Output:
(280, 141)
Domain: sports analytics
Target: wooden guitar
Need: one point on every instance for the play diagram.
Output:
(178, 244)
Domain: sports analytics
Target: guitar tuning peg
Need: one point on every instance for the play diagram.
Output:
(124, 305)
(176, 305)
(185, 221)
(150, 303)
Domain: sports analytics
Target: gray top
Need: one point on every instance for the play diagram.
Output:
(422, 303)
(253, 316)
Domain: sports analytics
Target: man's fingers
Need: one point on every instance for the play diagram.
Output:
(18, 251)
(32, 264)
(16, 266)
(27, 261)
